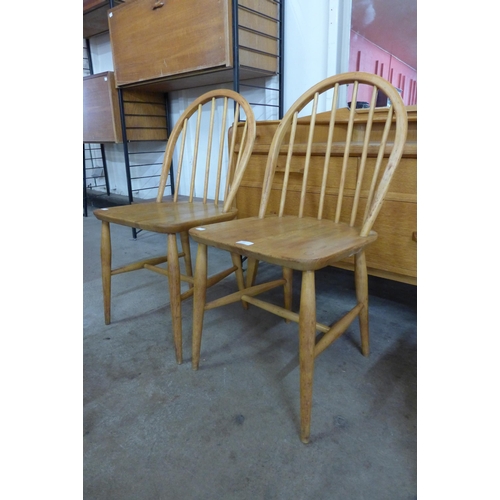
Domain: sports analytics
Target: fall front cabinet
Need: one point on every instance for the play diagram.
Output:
(166, 45)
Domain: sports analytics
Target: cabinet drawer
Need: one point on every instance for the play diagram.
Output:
(395, 251)
(393, 255)
(181, 36)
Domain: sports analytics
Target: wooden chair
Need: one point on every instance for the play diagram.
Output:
(303, 233)
(207, 119)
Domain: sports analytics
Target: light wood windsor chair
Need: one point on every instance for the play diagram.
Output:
(176, 216)
(316, 236)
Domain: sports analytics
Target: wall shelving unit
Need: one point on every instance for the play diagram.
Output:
(177, 45)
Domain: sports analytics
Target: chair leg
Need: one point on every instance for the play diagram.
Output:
(174, 283)
(307, 336)
(106, 270)
(287, 289)
(199, 298)
(240, 280)
(187, 254)
(361, 281)
(236, 258)
(252, 267)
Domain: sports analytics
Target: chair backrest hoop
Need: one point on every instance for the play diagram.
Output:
(236, 166)
(396, 121)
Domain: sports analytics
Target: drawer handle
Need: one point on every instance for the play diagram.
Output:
(157, 5)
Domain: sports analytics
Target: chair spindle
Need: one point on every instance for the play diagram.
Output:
(364, 154)
(209, 151)
(221, 152)
(308, 155)
(231, 169)
(180, 162)
(291, 143)
(195, 154)
(345, 161)
(331, 128)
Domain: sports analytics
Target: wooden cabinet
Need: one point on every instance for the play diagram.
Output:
(166, 45)
(394, 254)
(144, 112)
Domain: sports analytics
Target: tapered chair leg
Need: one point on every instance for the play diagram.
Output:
(187, 254)
(252, 267)
(199, 298)
(240, 280)
(106, 270)
(287, 289)
(361, 281)
(307, 335)
(174, 283)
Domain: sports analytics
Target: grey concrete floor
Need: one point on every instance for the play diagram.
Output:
(154, 429)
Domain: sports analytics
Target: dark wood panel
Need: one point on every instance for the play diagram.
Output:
(101, 114)
(95, 17)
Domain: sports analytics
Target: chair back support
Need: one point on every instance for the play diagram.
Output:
(198, 148)
(310, 151)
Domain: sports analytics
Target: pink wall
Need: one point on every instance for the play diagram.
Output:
(366, 56)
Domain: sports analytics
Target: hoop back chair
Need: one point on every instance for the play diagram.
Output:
(210, 163)
(299, 227)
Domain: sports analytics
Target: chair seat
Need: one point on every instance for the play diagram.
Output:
(298, 243)
(166, 217)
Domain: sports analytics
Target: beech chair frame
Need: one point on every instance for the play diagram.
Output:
(306, 241)
(174, 217)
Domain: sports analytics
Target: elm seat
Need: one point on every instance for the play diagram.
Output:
(290, 245)
(197, 145)
(296, 230)
(166, 216)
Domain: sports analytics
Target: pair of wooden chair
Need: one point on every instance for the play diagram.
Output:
(302, 234)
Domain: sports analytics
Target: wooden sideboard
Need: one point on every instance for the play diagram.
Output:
(177, 44)
(394, 254)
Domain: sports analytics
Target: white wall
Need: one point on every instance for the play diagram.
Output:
(316, 43)
(316, 46)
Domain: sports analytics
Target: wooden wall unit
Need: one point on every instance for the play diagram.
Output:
(144, 112)
(394, 253)
(159, 46)
(177, 44)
